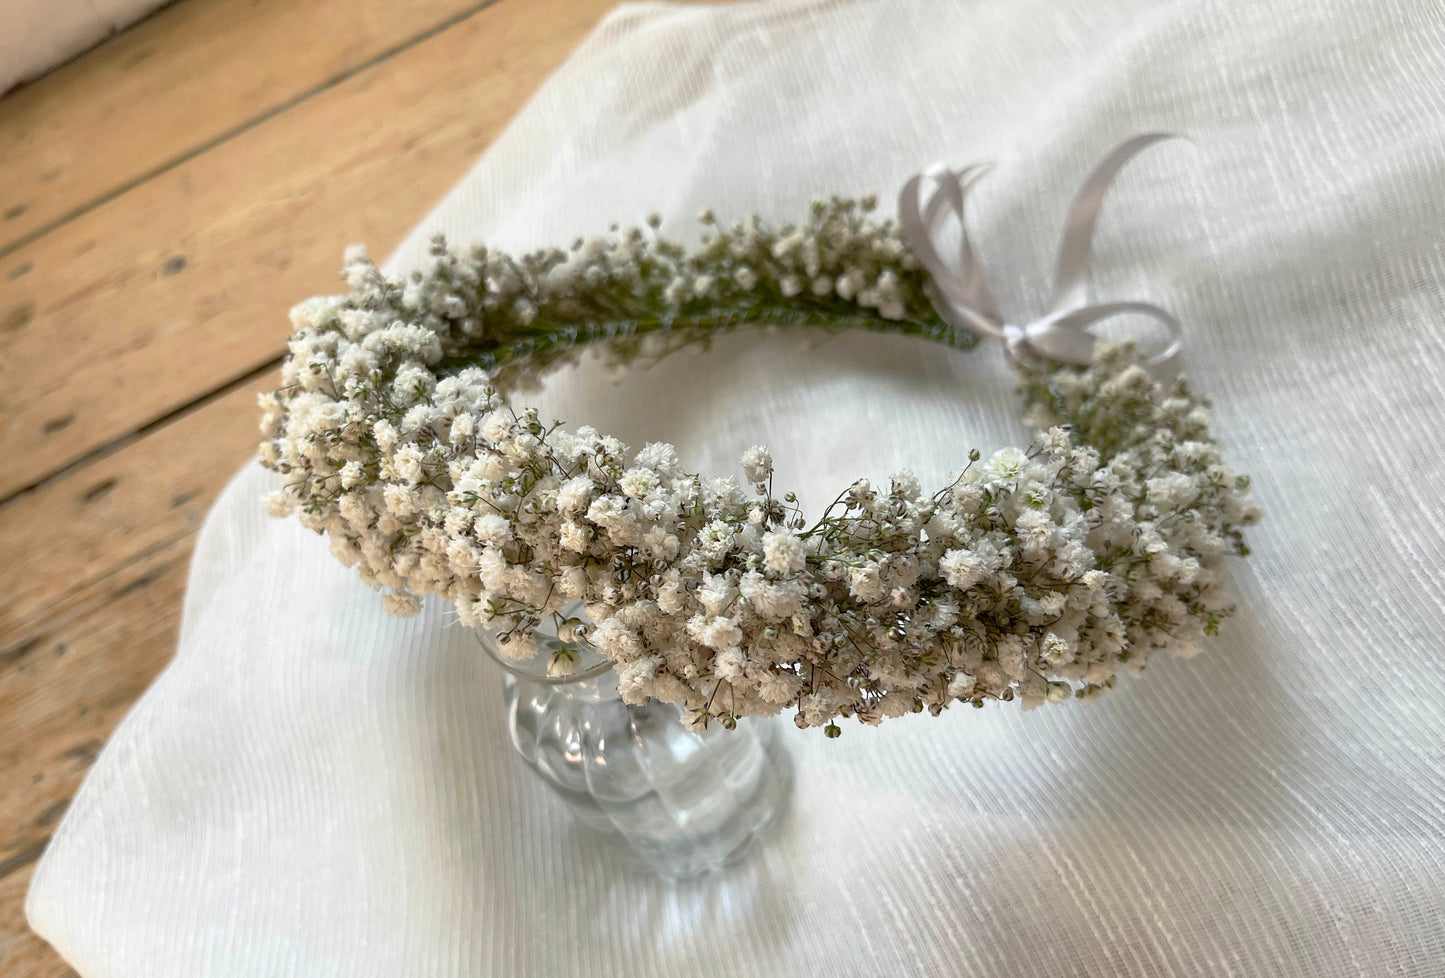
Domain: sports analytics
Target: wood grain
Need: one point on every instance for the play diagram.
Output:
(139, 499)
(57, 709)
(59, 705)
(183, 283)
(172, 193)
(107, 644)
(99, 566)
(181, 80)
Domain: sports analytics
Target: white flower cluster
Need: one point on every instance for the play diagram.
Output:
(1037, 574)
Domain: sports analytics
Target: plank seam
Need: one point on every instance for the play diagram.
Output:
(23, 858)
(41, 619)
(156, 423)
(223, 137)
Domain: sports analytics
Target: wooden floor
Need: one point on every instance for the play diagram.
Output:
(164, 199)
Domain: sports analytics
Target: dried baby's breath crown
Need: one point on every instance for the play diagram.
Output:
(1036, 573)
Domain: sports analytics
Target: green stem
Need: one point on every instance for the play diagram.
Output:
(547, 340)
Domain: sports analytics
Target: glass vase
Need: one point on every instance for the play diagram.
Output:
(687, 803)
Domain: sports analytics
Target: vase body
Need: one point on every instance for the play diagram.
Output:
(687, 803)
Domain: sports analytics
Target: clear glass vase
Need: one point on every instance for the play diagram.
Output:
(687, 803)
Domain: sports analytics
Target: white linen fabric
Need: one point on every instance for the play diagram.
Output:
(315, 789)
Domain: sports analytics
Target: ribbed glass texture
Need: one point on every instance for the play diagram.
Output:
(687, 803)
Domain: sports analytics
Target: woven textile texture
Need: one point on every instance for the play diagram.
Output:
(314, 789)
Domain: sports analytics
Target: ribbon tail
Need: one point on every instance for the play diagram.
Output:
(1067, 337)
(961, 295)
(916, 231)
(1070, 273)
(976, 294)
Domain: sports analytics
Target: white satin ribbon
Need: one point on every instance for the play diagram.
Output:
(961, 296)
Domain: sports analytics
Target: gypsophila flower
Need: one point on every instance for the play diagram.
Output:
(716, 539)
(865, 583)
(757, 464)
(575, 494)
(492, 529)
(401, 605)
(638, 482)
(279, 504)
(962, 569)
(1036, 576)
(717, 593)
(783, 552)
(715, 631)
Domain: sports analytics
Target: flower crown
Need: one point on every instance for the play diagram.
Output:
(1037, 573)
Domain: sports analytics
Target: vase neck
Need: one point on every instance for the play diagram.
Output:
(598, 689)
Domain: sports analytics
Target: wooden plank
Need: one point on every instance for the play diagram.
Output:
(182, 284)
(176, 82)
(107, 547)
(139, 499)
(99, 566)
(56, 711)
(58, 707)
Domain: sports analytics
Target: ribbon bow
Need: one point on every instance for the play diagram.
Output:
(961, 296)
